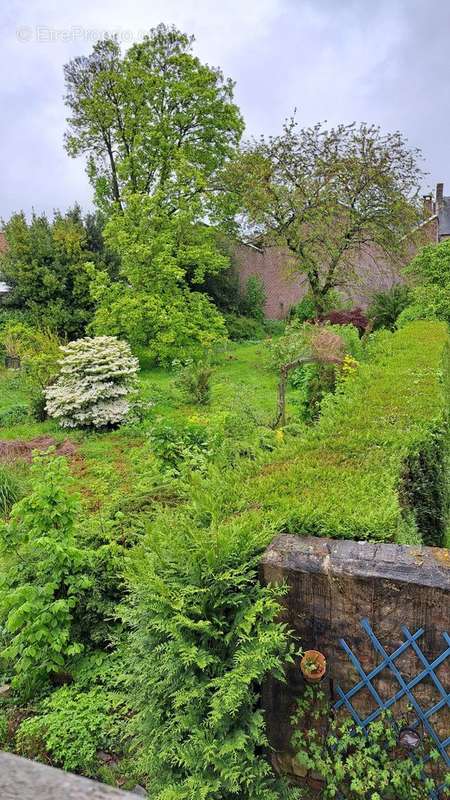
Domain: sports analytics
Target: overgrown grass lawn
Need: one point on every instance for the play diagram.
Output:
(104, 462)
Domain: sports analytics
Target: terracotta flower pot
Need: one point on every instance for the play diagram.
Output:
(313, 666)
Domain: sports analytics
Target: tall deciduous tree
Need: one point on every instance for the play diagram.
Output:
(155, 120)
(151, 304)
(327, 196)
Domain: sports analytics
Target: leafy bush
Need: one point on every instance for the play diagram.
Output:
(241, 329)
(17, 337)
(10, 490)
(180, 443)
(40, 361)
(253, 298)
(48, 265)
(353, 764)
(205, 633)
(430, 297)
(40, 352)
(295, 343)
(314, 382)
(354, 317)
(325, 343)
(44, 576)
(194, 379)
(76, 721)
(38, 405)
(60, 580)
(14, 415)
(182, 326)
(426, 302)
(431, 265)
(373, 468)
(298, 339)
(73, 726)
(306, 311)
(95, 380)
(13, 315)
(274, 327)
(385, 307)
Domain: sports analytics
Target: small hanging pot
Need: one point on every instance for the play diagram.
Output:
(313, 666)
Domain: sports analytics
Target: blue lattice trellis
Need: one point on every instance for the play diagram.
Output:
(405, 687)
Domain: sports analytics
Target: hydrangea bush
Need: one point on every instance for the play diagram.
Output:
(96, 377)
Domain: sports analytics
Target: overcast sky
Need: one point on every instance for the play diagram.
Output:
(382, 61)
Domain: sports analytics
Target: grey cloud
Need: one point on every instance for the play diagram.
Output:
(339, 60)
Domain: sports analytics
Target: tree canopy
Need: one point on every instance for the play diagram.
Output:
(327, 195)
(155, 120)
(50, 265)
(152, 304)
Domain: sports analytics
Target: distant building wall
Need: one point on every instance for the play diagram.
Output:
(284, 288)
(273, 266)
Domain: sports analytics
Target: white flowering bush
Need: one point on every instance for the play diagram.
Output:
(94, 383)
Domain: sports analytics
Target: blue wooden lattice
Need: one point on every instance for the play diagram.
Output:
(422, 716)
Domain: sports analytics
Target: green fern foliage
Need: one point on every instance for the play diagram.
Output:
(205, 635)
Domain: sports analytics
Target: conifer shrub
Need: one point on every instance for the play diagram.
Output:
(94, 384)
(59, 583)
(205, 634)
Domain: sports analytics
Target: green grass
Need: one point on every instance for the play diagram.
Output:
(12, 391)
(376, 462)
(105, 462)
(341, 478)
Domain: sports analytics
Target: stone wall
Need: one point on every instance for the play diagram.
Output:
(333, 585)
(21, 779)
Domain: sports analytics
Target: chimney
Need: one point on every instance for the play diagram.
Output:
(439, 196)
(427, 200)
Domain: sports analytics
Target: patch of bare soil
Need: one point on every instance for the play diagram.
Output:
(14, 449)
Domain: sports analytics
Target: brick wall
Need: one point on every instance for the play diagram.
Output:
(332, 586)
(284, 288)
(274, 266)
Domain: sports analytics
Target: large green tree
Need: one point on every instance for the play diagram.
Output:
(152, 305)
(44, 265)
(157, 127)
(153, 121)
(50, 264)
(328, 196)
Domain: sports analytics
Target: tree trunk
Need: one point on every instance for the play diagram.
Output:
(280, 418)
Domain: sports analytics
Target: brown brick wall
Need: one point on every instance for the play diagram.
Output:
(284, 288)
(274, 267)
